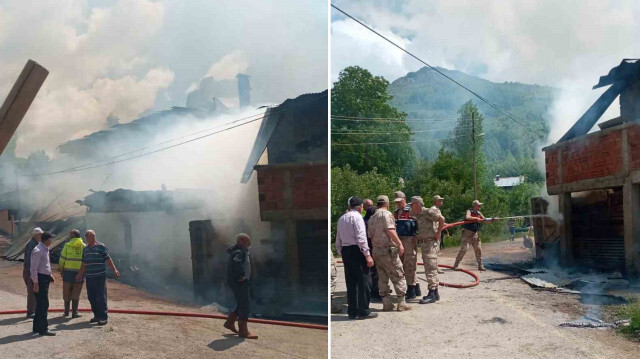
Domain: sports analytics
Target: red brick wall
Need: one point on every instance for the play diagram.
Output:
(551, 165)
(597, 156)
(633, 139)
(308, 187)
(593, 157)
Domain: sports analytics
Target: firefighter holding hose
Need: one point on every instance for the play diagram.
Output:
(470, 236)
(430, 224)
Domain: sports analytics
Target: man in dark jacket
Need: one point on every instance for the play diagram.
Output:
(238, 277)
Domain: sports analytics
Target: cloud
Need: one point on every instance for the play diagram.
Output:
(229, 66)
(540, 42)
(118, 56)
(69, 112)
(566, 44)
(91, 55)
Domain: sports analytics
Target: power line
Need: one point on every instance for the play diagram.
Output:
(494, 106)
(394, 142)
(72, 169)
(391, 119)
(113, 161)
(396, 133)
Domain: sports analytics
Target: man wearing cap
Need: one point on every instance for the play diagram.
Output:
(387, 249)
(351, 243)
(36, 235)
(470, 234)
(410, 258)
(41, 277)
(430, 224)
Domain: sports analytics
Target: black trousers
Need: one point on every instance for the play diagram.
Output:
(356, 275)
(243, 299)
(97, 294)
(40, 322)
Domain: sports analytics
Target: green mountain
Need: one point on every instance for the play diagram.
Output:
(432, 101)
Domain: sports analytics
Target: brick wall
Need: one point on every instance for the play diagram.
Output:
(551, 165)
(591, 157)
(308, 187)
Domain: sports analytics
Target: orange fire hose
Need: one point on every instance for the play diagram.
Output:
(185, 314)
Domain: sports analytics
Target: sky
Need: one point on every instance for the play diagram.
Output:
(566, 44)
(125, 58)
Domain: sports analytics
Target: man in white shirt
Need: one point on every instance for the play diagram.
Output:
(351, 243)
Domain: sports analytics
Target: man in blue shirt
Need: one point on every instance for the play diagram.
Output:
(95, 258)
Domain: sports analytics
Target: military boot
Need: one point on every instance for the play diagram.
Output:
(67, 305)
(402, 305)
(387, 304)
(429, 298)
(437, 294)
(411, 293)
(480, 267)
(455, 265)
(417, 289)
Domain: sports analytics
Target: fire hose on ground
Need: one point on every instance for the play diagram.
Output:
(474, 275)
(186, 314)
(450, 285)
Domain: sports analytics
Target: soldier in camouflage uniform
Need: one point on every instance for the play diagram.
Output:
(410, 257)
(430, 224)
(387, 249)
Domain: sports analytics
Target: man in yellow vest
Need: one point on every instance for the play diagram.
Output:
(69, 265)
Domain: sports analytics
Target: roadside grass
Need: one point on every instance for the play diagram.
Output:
(631, 310)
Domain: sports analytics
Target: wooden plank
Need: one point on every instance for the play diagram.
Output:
(19, 100)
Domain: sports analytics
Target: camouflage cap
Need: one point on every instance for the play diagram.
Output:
(476, 203)
(398, 196)
(417, 199)
(437, 198)
(382, 199)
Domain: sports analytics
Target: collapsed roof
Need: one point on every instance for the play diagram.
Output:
(620, 78)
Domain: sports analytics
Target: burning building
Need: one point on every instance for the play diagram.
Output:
(596, 176)
(290, 158)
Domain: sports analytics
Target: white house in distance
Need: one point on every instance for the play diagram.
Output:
(508, 182)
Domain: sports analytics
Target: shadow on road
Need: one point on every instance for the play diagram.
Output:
(18, 338)
(229, 341)
(11, 321)
(75, 326)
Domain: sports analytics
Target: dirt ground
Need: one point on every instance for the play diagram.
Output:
(137, 336)
(499, 318)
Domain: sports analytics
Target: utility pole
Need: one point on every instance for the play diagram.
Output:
(473, 141)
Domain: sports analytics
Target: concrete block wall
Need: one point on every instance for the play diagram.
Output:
(633, 141)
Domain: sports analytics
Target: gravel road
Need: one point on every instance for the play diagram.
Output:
(136, 336)
(497, 319)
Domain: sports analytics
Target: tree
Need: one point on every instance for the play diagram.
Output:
(358, 93)
(464, 137)
(345, 182)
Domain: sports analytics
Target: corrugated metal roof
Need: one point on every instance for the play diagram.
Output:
(546, 280)
(508, 181)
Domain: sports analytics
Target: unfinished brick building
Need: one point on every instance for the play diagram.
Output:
(596, 177)
(291, 162)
